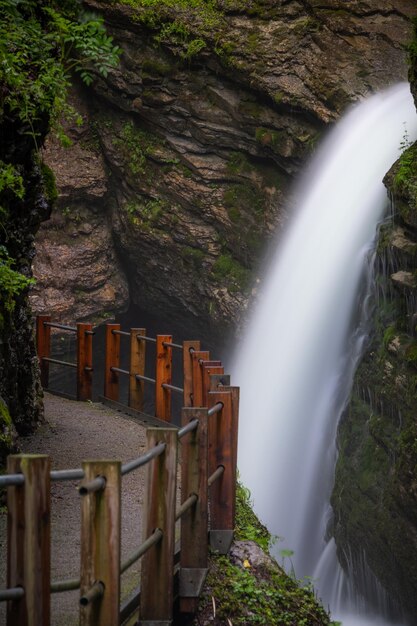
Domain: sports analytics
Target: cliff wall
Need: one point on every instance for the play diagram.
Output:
(198, 135)
(375, 494)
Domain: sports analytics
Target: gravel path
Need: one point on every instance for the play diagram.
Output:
(77, 431)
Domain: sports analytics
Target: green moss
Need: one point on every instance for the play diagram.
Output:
(269, 137)
(6, 437)
(193, 257)
(156, 66)
(405, 177)
(238, 163)
(229, 271)
(247, 525)
(49, 184)
(135, 146)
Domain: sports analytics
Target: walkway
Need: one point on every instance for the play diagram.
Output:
(73, 432)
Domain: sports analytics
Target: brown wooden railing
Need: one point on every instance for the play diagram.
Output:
(208, 441)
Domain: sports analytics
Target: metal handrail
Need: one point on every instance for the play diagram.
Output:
(172, 387)
(188, 428)
(73, 329)
(144, 459)
(119, 370)
(145, 378)
(143, 548)
(187, 504)
(50, 360)
(215, 475)
(215, 409)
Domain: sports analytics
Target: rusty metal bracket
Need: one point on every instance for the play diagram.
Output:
(221, 540)
(192, 581)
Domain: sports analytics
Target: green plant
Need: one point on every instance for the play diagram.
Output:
(40, 46)
(135, 146)
(11, 180)
(227, 270)
(12, 282)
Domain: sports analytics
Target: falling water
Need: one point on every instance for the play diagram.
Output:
(295, 365)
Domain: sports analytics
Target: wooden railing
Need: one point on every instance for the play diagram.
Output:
(208, 440)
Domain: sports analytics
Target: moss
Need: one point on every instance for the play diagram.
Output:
(228, 270)
(193, 256)
(255, 594)
(135, 146)
(406, 171)
(238, 163)
(6, 436)
(156, 66)
(49, 184)
(269, 137)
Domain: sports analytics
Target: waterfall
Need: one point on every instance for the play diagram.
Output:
(296, 361)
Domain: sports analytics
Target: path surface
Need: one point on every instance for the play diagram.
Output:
(73, 432)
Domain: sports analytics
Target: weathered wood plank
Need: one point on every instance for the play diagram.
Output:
(209, 368)
(112, 359)
(194, 523)
(188, 348)
(100, 544)
(137, 366)
(221, 442)
(29, 540)
(163, 374)
(84, 362)
(157, 591)
(197, 357)
(43, 346)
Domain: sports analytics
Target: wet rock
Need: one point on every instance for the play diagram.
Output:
(198, 155)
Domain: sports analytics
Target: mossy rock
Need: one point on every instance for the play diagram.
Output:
(7, 433)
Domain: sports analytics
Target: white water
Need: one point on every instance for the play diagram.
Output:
(296, 362)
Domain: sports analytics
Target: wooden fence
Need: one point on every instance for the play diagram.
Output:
(208, 441)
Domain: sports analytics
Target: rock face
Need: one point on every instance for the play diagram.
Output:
(375, 493)
(193, 144)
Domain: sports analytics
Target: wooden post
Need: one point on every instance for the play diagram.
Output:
(163, 375)
(223, 491)
(157, 580)
(235, 391)
(209, 368)
(194, 523)
(137, 366)
(198, 376)
(187, 349)
(112, 359)
(100, 544)
(84, 361)
(43, 346)
(29, 532)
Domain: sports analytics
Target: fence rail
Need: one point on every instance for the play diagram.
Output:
(208, 441)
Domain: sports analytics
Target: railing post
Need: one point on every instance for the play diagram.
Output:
(112, 359)
(157, 581)
(163, 374)
(29, 540)
(84, 361)
(100, 545)
(194, 523)
(198, 376)
(221, 452)
(137, 366)
(43, 346)
(209, 368)
(188, 347)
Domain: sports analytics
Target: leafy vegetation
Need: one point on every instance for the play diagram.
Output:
(12, 282)
(226, 269)
(248, 593)
(135, 146)
(41, 45)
